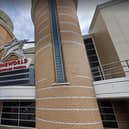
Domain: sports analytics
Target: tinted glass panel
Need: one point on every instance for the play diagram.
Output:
(10, 115)
(93, 60)
(9, 122)
(17, 77)
(14, 72)
(27, 123)
(18, 113)
(107, 114)
(108, 117)
(106, 110)
(27, 116)
(10, 109)
(56, 44)
(110, 124)
(14, 77)
(7, 83)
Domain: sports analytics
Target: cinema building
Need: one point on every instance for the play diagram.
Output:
(107, 48)
(77, 82)
(16, 80)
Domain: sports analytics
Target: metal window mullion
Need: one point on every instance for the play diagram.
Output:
(20, 119)
(27, 120)
(100, 73)
(17, 106)
(18, 113)
(1, 113)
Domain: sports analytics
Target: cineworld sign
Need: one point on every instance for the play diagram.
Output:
(23, 63)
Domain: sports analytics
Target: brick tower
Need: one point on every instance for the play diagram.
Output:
(65, 98)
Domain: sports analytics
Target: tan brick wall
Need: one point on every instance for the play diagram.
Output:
(63, 106)
(4, 36)
(64, 126)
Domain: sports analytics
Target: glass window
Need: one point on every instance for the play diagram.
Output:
(10, 109)
(14, 72)
(110, 124)
(93, 59)
(106, 110)
(108, 117)
(17, 77)
(9, 122)
(107, 114)
(10, 115)
(14, 77)
(27, 123)
(56, 44)
(27, 116)
(16, 82)
(6, 104)
(18, 113)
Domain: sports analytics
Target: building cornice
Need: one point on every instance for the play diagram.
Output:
(102, 6)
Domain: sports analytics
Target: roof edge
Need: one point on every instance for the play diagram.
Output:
(102, 6)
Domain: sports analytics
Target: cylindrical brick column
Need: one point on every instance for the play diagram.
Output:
(65, 98)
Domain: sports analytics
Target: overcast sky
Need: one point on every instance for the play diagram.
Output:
(20, 13)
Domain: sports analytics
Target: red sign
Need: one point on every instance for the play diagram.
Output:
(15, 64)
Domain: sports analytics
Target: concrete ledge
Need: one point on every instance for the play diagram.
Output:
(112, 88)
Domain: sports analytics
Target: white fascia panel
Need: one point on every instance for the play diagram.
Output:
(17, 92)
(112, 88)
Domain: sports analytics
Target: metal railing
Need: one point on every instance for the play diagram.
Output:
(111, 70)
